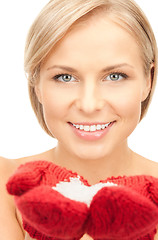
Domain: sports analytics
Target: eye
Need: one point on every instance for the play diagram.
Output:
(63, 78)
(116, 76)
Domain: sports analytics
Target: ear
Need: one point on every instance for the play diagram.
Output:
(148, 83)
(38, 92)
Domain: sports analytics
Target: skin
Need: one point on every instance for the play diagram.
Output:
(90, 96)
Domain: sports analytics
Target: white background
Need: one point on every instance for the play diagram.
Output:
(20, 133)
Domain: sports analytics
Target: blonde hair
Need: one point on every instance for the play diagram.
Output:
(59, 16)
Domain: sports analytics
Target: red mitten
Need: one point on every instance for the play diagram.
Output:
(39, 203)
(52, 214)
(32, 174)
(28, 176)
(122, 214)
(124, 211)
(153, 190)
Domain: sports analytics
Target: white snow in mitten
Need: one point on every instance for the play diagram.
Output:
(76, 190)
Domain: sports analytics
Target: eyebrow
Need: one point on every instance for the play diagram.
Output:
(108, 68)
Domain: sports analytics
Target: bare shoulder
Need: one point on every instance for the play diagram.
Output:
(45, 156)
(146, 166)
(7, 167)
(8, 216)
(152, 168)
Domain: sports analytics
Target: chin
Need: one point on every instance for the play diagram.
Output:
(93, 153)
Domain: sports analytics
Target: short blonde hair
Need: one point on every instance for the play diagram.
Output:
(57, 18)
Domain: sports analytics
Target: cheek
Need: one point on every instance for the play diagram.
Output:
(128, 105)
(127, 109)
(54, 110)
(54, 105)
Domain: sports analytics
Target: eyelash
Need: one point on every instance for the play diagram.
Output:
(121, 74)
(61, 75)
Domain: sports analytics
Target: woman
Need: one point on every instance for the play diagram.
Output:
(91, 68)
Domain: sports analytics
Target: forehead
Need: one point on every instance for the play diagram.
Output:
(96, 40)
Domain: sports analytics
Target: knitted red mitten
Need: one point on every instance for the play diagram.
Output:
(46, 213)
(121, 213)
(153, 190)
(52, 214)
(28, 176)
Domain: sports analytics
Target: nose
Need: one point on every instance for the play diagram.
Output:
(90, 98)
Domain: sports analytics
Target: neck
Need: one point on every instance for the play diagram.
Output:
(117, 163)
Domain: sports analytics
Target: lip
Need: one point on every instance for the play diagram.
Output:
(91, 136)
(89, 124)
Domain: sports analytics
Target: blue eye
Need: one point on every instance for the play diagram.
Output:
(116, 77)
(63, 77)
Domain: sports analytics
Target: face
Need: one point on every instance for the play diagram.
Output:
(94, 79)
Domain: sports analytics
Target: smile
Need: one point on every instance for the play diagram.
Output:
(91, 132)
(91, 128)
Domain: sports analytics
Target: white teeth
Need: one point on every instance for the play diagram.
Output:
(91, 128)
(103, 126)
(81, 127)
(86, 128)
(99, 127)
